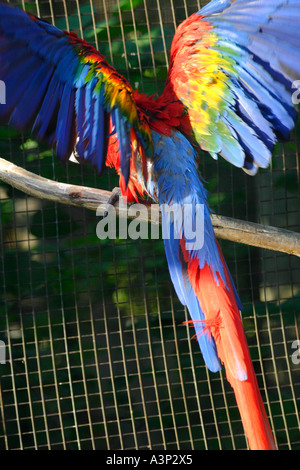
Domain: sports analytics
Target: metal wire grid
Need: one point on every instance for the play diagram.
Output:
(97, 356)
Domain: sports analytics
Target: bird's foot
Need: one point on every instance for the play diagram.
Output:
(114, 198)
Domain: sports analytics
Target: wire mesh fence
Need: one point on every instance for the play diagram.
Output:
(97, 356)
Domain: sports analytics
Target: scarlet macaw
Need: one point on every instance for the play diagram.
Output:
(228, 92)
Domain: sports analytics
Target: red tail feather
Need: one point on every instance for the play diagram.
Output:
(224, 322)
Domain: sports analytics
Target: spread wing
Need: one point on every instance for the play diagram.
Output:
(233, 65)
(65, 91)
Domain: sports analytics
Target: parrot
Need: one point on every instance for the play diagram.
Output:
(228, 92)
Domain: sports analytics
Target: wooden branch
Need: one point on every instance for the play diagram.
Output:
(226, 228)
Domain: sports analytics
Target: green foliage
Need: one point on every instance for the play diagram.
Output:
(128, 46)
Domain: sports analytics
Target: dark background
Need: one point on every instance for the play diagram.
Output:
(97, 355)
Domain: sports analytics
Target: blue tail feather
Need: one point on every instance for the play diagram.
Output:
(186, 295)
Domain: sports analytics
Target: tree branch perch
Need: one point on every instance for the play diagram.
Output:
(239, 231)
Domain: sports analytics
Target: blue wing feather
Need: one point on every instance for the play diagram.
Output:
(262, 40)
(65, 130)
(56, 84)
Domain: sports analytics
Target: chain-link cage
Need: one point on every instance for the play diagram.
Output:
(95, 352)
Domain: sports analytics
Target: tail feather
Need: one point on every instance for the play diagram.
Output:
(223, 319)
(252, 412)
(202, 280)
(186, 295)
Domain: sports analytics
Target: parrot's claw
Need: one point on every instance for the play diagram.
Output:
(114, 198)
